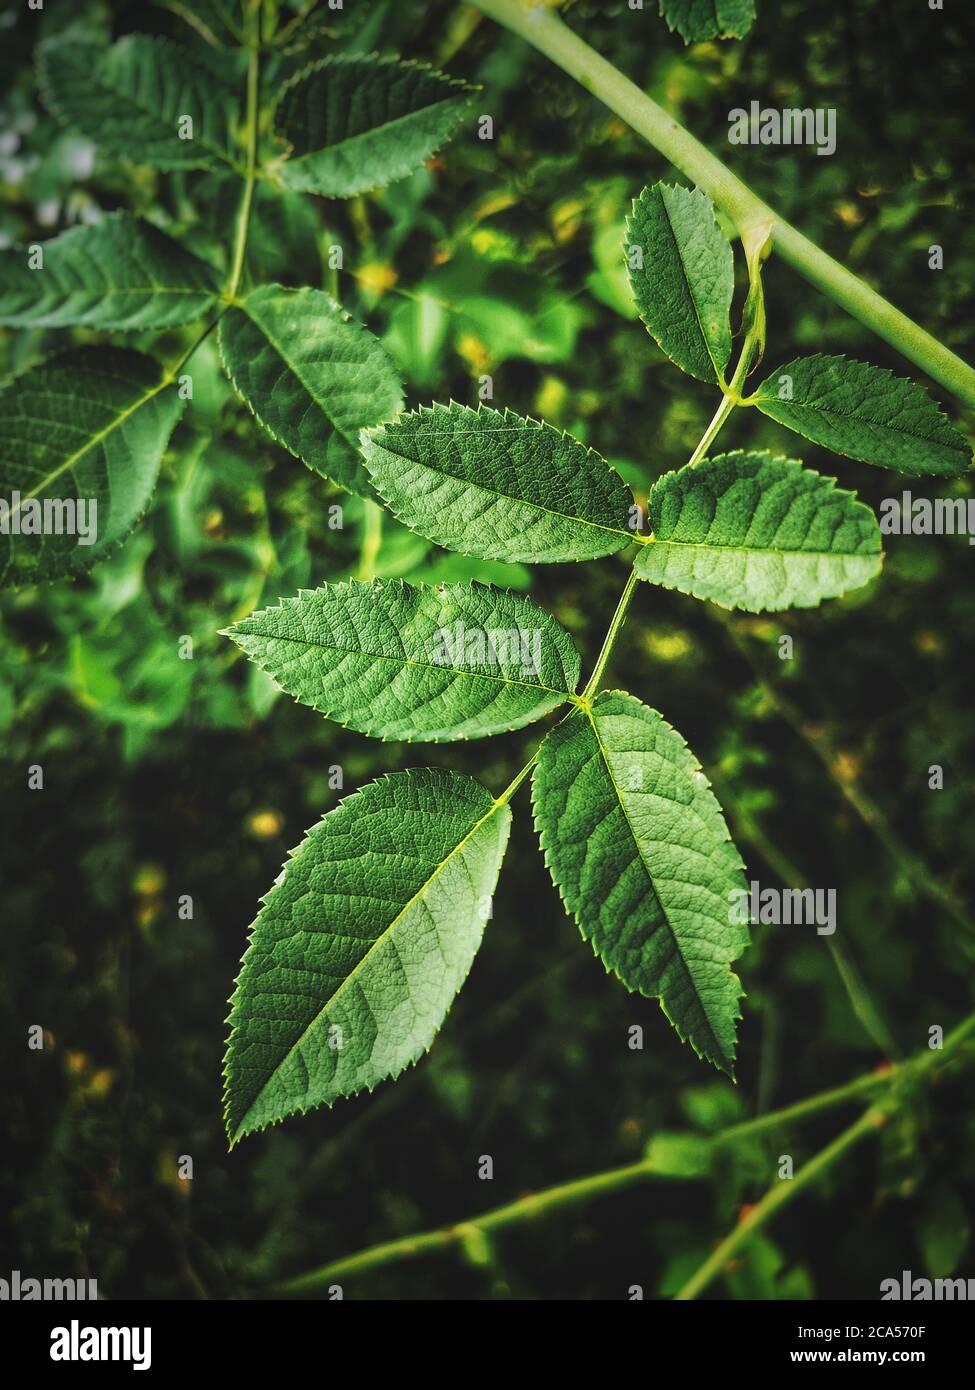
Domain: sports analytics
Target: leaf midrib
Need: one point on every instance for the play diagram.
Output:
(765, 550)
(718, 368)
(763, 402)
(403, 661)
(96, 438)
(294, 370)
(719, 1050)
(128, 96)
(349, 142)
(379, 940)
(382, 441)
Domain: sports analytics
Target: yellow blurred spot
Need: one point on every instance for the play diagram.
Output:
(167, 1173)
(846, 767)
(148, 880)
(264, 825)
(567, 219)
(551, 398)
(101, 1083)
(928, 642)
(497, 202)
(376, 277)
(484, 241)
(631, 1128)
(849, 214)
(147, 912)
(474, 352)
(668, 646)
(76, 1063)
(213, 522)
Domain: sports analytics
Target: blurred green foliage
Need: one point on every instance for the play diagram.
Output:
(165, 777)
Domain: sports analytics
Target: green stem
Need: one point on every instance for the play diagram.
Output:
(372, 538)
(777, 1197)
(729, 400)
(812, 1105)
(785, 1189)
(581, 1190)
(609, 641)
(727, 405)
(925, 883)
(253, 17)
(517, 780)
(171, 373)
(860, 999)
(541, 27)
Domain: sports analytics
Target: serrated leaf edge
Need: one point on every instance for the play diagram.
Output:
(72, 574)
(921, 393)
(377, 60)
(48, 97)
(373, 434)
(701, 466)
(719, 377)
(346, 317)
(472, 586)
(545, 838)
(496, 805)
(124, 217)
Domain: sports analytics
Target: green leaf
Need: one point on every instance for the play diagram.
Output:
(217, 22)
(498, 486)
(312, 375)
(120, 273)
(638, 848)
(943, 1232)
(699, 20)
(136, 98)
(404, 661)
(355, 123)
(866, 413)
(88, 426)
(685, 286)
(749, 530)
(362, 944)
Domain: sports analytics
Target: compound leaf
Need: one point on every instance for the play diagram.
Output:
(355, 123)
(866, 413)
(498, 486)
(699, 20)
(144, 97)
(415, 662)
(362, 944)
(684, 286)
(120, 273)
(81, 439)
(639, 850)
(749, 530)
(312, 375)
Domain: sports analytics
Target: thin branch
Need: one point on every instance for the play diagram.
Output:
(541, 27)
(888, 1080)
(251, 123)
(783, 1192)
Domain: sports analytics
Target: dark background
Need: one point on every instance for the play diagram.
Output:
(165, 777)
